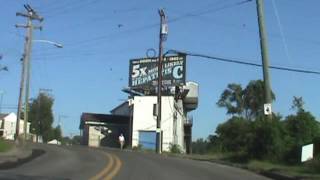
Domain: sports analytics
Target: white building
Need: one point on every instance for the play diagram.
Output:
(176, 126)
(136, 120)
(144, 122)
(8, 126)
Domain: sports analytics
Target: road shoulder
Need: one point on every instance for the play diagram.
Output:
(18, 155)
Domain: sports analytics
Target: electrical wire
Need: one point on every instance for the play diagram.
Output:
(155, 25)
(285, 44)
(73, 9)
(199, 13)
(246, 62)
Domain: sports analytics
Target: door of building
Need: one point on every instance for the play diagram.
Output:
(147, 139)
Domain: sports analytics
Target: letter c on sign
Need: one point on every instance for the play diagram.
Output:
(177, 72)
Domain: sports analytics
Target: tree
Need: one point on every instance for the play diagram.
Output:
(200, 146)
(297, 104)
(247, 103)
(267, 139)
(301, 128)
(235, 134)
(232, 99)
(57, 133)
(254, 99)
(76, 140)
(41, 116)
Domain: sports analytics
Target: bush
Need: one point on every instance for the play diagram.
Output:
(235, 134)
(268, 139)
(314, 164)
(137, 148)
(175, 148)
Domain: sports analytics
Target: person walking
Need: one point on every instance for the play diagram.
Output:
(121, 141)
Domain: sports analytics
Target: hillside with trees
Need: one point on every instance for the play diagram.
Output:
(249, 135)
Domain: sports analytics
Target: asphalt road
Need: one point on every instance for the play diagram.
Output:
(61, 162)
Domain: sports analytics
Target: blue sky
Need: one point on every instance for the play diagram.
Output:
(87, 75)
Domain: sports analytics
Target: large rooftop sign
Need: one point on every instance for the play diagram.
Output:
(143, 73)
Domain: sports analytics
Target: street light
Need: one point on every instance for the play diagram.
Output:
(58, 45)
(26, 68)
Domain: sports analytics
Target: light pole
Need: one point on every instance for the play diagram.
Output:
(58, 45)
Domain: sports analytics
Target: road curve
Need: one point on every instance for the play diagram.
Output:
(62, 162)
(144, 166)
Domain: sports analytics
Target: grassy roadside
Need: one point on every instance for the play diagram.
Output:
(297, 171)
(5, 146)
(261, 167)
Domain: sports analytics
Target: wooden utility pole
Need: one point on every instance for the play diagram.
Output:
(265, 57)
(25, 76)
(161, 36)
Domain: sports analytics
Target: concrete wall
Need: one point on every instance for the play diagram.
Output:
(95, 137)
(143, 120)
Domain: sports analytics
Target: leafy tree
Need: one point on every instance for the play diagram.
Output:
(66, 140)
(41, 116)
(297, 104)
(235, 134)
(247, 103)
(301, 129)
(76, 140)
(254, 99)
(57, 133)
(232, 99)
(214, 144)
(200, 146)
(268, 139)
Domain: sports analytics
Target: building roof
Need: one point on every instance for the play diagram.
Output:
(3, 115)
(125, 104)
(108, 118)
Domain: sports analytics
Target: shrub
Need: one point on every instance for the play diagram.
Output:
(314, 164)
(175, 148)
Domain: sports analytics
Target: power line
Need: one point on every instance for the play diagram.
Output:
(242, 62)
(154, 25)
(199, 13)
(64, 11)
(285, 44)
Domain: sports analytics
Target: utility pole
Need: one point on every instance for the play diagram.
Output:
(21, 90)
(30, 15)
(265, 57)
(163, 32)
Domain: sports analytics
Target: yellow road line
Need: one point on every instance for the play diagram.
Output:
(106, 169)
(115, 170)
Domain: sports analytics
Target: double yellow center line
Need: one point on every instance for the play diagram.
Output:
(111, 170)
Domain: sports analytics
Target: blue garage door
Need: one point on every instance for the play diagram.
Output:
(147, 139)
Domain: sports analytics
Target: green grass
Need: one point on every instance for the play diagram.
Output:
(291, 170)
(303, 171)
(5, 146)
